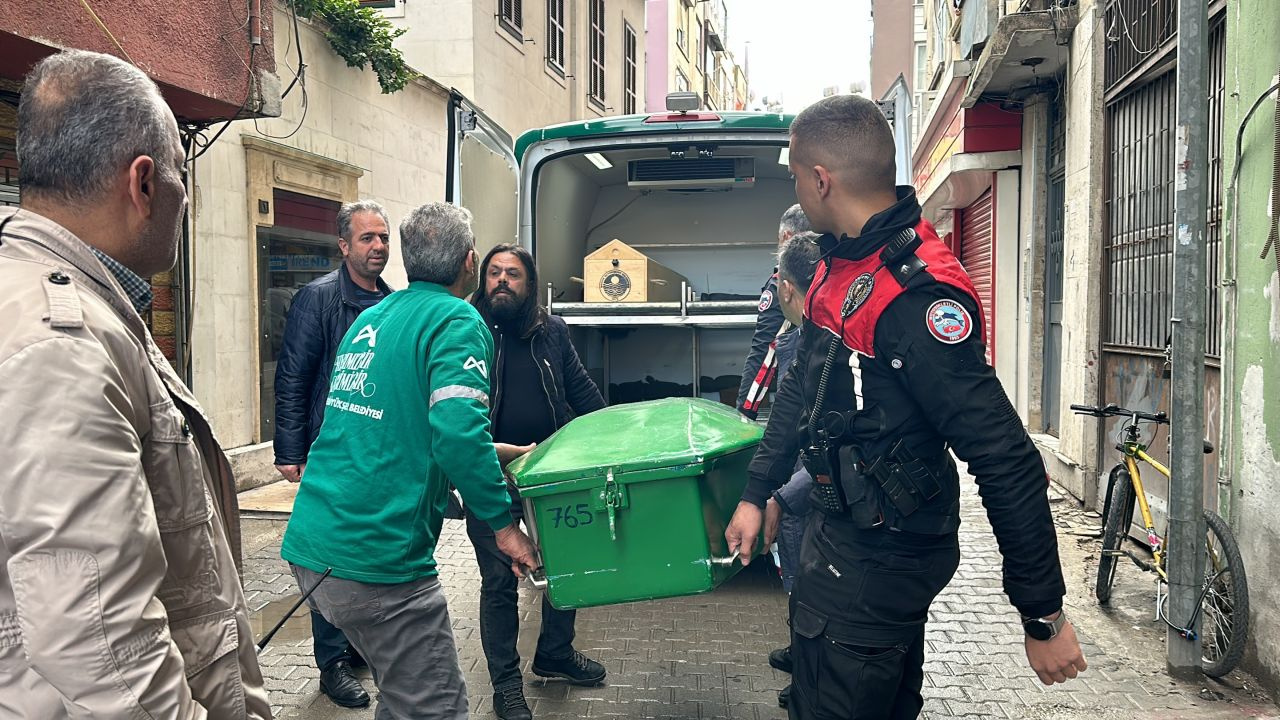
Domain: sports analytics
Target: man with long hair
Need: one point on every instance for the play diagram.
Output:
(537, 386)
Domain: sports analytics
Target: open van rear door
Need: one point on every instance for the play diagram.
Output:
(482, 175)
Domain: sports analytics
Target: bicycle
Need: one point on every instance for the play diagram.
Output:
(1224, 597)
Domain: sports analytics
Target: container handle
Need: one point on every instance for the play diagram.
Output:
(726, 561)
(538, 578)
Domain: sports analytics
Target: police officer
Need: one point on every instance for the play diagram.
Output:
(893, 378)
(756, 372)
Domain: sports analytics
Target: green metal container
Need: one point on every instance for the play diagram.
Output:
(631, 502)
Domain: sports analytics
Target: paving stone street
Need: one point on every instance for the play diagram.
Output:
(705, 656)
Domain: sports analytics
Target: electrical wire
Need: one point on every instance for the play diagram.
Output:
(300, 76)
(1124, 25)
(106, 30)
(606, 221)
(204, 145)
(296, 40)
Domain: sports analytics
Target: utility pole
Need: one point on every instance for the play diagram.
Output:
(1186, 535)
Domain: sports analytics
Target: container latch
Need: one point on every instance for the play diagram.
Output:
(614, 498)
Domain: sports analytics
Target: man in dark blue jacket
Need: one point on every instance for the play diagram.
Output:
(537, 386)
(320, 315)
(768, 324)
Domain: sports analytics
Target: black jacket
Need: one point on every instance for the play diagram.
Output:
(320, 315)
(768, 322)
(909, 367)
(565, 387)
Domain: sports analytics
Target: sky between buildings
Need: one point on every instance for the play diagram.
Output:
(795, 48)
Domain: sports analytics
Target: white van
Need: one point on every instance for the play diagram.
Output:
(696, 191)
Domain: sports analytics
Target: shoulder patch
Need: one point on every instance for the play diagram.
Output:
(766, 299)
(948, 321)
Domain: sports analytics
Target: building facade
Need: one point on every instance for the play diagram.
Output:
(530, 64)
(688, 51)
(227, 69)
(1249, 445)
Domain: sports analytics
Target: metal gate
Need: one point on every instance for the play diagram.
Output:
(1138, 248)
(977, 235)
(1055, 207)
(8, 173)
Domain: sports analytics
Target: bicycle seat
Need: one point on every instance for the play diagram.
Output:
(1208, 447)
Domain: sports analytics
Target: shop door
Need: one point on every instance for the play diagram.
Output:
(977, 234)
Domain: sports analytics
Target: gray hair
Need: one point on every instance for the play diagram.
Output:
(793, 221)
(83, 118)
(348, 211)
(798, 259)
(434, 242)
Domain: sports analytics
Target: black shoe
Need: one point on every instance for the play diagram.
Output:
(784, 697)
(577, 669)
(509, 704)
(780, 659)
(342, 687)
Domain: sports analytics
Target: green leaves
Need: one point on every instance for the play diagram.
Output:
(361, 36)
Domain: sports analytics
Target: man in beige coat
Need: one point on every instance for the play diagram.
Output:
(119, 532)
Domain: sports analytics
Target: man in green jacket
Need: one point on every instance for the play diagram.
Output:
(407, 415)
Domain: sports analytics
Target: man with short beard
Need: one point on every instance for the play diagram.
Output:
(321, 313)
(537, 386)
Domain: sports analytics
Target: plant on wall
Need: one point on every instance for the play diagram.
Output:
(360, 35)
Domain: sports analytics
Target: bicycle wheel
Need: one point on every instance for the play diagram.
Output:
(1114, 528)
(1224, 608)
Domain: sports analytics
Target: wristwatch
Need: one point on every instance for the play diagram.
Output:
(1044, 628)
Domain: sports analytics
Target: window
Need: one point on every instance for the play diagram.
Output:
(595, 90)
(941, 31)
(682, 82)
(511, 17)
(555, 35)
(629, 69)
(681, 42)
(918, 74)
(378, 3)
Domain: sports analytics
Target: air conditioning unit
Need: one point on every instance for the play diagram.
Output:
(691, 173)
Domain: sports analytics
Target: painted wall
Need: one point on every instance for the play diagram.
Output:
(1073, 460)
(1251, 372)
(353, 142)
(206, 79)
(659, 43)
(891, 44)
(1007, 279)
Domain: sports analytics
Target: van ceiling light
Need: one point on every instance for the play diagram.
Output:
(784, 156)
(598, 160)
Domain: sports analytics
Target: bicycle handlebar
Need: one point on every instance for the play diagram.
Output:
(1112, 410)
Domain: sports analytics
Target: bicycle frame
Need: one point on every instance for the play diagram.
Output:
(1132, 453)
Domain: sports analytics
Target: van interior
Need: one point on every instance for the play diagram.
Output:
(710, 213)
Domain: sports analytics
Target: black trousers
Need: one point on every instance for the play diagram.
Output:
(329, 643)
(858, 614)
(500, 617)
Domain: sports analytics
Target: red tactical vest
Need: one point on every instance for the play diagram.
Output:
(826, 301)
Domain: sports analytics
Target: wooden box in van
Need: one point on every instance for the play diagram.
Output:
(619, 273)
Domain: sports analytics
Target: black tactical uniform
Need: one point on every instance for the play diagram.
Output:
(891, 374)
(768, 322)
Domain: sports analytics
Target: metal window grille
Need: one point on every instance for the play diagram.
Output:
(629, 71)
(555, 34)
(511, 17)
(595, 91)
(1138, 254)
(1138, 32)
